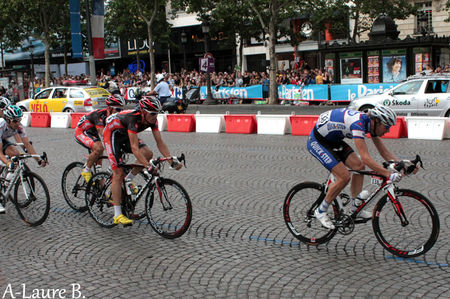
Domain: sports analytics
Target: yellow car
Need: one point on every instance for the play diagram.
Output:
(66, 99)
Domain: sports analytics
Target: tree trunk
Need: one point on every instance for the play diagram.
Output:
(355, 28)
(273, 88)
(151, 54)
(47, 60)
(66, 67)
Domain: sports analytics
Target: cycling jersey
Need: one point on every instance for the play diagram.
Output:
(6, 132)
(115, 134)
(86, 132)
(326, 141)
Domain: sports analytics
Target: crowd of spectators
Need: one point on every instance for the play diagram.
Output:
(187, 79)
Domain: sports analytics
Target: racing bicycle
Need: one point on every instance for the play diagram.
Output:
(404, 221)
(26, 190)
(167, 204)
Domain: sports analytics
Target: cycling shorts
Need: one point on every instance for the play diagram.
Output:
(116, 144)
(5, 144)
(86, 138)
(328, 153)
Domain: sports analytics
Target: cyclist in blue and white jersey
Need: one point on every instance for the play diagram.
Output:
(326, 143)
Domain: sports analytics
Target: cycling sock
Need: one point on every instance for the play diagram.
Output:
(86, 169)
(129, 176)
(117, 211)
(354, 207)
(323, 208)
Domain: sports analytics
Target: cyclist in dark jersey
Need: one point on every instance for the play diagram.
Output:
(326, 143)
(90, 126)
(121, 136)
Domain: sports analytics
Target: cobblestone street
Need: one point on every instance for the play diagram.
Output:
(238, 245)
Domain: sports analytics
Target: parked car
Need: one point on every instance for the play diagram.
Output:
(66, 99)
(419, 95)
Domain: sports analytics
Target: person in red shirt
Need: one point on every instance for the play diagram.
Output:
(90, 126)
(121, 136)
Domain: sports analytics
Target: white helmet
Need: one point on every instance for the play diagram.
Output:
(385, 114)
(159, 77)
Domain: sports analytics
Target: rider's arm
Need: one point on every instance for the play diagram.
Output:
(162, 147)
(134, 142)
(382, 149)
(361, 146)
(100, 130)
(2, 156)
(31, 150)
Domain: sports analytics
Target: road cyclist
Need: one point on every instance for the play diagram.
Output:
(121, 136)
(89, 129)
(10, 126)
(326, 143)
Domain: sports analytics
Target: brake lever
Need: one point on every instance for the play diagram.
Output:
(182, 159)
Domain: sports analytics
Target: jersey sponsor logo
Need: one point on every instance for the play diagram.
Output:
(335, 126)
(322, 155)
(324, 117)
(352, 112)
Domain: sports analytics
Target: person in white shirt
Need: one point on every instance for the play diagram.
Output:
(162, 89)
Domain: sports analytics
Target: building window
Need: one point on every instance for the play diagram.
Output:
(424, 18)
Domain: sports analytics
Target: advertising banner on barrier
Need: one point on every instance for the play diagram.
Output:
(130, 94)
(250, 92)
(348, 92)
(305, 93)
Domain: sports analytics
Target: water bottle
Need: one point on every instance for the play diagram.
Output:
(361, 197)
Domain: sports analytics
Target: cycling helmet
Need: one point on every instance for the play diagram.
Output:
(4, 102)
(12, 112)
(385, 114)
(115, 100)
(150, 104)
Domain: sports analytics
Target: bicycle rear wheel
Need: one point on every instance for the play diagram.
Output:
(169, 209)
(98, 199)
(73, 186)
(419, 230)
(31, 199)
(298, 212)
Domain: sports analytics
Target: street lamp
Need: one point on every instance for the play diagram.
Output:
(209, 99)
(183, 42)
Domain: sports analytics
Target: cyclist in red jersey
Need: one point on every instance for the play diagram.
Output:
(120, 136)
(90, 126)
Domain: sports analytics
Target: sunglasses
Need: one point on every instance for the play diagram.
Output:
(152, 113)
(16, 120)
(118, 109)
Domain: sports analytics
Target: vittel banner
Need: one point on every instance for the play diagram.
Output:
(349, 92)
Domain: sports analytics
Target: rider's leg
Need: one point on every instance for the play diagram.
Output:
(342, 176)
(355, 163)
(148, 154)
(11, 151)
(97, 151)
(116, 193)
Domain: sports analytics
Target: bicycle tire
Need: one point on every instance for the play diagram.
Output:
(32, 206)
(74, 186)
(298, 212)
(97, 200)
(418, 236)
(174, 222)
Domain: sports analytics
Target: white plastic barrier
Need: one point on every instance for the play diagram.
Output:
(60, 120)
(422, 127)
(447, 130)
(26, 119)
(209, 123)
(273, 124)
(162, 123)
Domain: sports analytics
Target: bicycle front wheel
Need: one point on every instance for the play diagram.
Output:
(298, 212)
(408, 228)
(98, 199)
(73, 186)
(169, 208)
(32, 199)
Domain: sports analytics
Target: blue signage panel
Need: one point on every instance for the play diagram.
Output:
(348, 92)
(250, 92)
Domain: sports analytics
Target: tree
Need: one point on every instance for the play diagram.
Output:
(36, 18)
(139, 14)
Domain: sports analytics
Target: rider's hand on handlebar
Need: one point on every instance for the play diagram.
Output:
(395, 177)
(175, 164)
(42, 163)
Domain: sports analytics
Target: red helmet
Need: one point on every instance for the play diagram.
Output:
(150, 103)
(115, 100)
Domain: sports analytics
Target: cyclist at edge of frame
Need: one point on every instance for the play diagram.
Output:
(326, 143)
(121, 136)
(10, 126)
(90, 126)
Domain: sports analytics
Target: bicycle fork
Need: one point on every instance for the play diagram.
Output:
(397, 206)
(162, 192)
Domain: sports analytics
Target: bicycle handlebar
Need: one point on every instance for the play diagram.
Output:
(407, 165)
(157, 161)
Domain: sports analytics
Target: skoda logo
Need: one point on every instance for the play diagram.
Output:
(387, 102)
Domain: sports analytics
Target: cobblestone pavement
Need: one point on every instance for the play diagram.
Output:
(238, 245)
